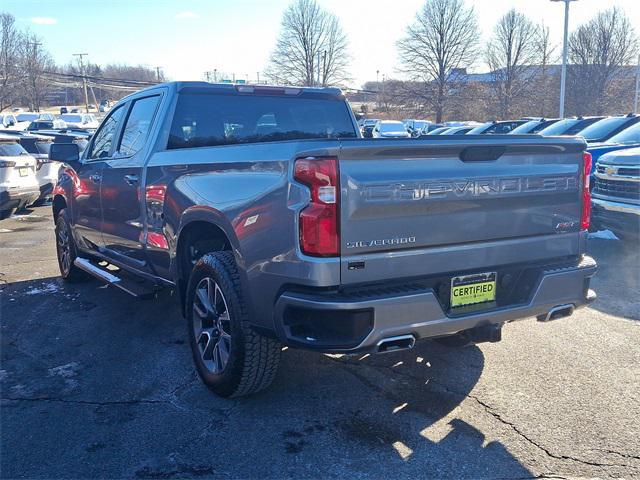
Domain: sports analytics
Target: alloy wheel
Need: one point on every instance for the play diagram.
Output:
(211, 325)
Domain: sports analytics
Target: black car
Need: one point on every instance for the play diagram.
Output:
(496, 127)
(569, 126)
(367, 127)
(608, 127)
(534, 125)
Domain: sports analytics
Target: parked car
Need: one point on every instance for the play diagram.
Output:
(8, 120)
(46, 125)
(438, 131)
(533, 125)
(461, 130)
(628, 138)
(367, 127)
(105, 106)
(568, 126)
(417, 126)
(18, 183)
(24, 119)
(432, 126)
(616, 194)
(38, 147)
(80, 120)
(414, 127)
(495, 127)
(608, 127)
(306, 235)
(63, 110)
(390, 129)
(68, 136)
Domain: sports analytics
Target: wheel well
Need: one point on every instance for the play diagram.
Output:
(58, 204)
(195, 240)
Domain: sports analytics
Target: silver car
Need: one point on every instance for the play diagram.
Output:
(390, 129)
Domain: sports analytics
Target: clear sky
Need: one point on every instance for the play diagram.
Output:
(187, 37)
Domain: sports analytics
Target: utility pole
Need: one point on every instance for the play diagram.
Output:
(378, 87)
(258, 74)
(215, 75)
(84, 78)
(635, 100)
(563, 76)
(158, 74)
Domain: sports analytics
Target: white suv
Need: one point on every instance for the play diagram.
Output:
(18, 183)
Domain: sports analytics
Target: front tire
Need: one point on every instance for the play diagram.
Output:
(66, 250)
(231, 359)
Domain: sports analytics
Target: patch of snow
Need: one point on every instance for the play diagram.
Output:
(45, 288)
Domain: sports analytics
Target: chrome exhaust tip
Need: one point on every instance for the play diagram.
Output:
(393, 344)
(559, 311)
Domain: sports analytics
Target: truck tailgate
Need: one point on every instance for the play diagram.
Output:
(458, 194)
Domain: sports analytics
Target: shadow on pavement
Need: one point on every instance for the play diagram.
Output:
(618, 279)
(100, 385)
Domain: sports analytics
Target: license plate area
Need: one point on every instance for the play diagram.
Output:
(23, 171)
(473, 289)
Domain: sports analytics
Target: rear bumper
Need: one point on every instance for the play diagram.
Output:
(616, 216)
(18, 197)
(360, 323)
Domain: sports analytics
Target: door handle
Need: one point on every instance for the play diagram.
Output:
(95, 178)
(131, 179)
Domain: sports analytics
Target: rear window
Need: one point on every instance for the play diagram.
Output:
(43, 147)
(203, 120)
(559, 128)
(603, 128)
(11, 150)
(628, 135)
(392, 127)
(72, 118)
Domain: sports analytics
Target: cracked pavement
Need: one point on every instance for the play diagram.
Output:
(95, 384)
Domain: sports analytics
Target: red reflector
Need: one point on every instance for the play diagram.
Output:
(585, 219)
(319, 222)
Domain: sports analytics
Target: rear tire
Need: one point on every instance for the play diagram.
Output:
(231, 358)
(67, 251)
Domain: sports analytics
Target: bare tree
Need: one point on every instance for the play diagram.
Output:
(598, 50)
(442, 40)
(546, 55)
(11, 40)
(511, 56)
(311, 49)
(35, 60)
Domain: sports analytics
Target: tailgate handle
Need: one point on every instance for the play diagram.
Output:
(481, 154)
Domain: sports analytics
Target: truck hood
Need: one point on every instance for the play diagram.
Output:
(628, 156)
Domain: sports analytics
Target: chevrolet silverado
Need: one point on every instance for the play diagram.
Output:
(278, 224)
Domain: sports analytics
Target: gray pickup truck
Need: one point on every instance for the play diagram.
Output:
(278, 224)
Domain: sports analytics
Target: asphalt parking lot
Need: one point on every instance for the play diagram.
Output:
(97, 384)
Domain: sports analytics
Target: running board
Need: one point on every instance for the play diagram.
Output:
(128, 286)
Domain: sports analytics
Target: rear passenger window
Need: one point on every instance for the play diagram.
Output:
(205, 119)
(104, 136)
(138, 125)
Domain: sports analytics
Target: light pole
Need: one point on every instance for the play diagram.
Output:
(635, 100)
(563, 76)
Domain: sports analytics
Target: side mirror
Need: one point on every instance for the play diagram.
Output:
(10, 122)
(65, 152)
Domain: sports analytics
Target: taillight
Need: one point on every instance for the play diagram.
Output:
(319, 222)
(7, 164)
(585, 219)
